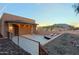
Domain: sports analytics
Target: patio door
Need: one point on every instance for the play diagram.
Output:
(15, 29)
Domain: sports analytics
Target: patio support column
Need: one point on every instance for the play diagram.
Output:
(29, 29)
(32, 29)
(19, 29)
(2, 29)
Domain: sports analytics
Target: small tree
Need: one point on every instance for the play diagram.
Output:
(76, 6)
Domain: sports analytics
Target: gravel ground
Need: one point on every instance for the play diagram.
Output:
(7, 47)
(67, 44)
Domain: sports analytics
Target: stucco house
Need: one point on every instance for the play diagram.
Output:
(17, 29)
(16, 25)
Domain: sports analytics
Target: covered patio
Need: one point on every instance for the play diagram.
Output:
(20, 28)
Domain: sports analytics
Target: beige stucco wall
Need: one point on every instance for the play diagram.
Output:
(9, 17)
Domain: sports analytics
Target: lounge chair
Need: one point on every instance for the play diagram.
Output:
(50, 36)
(47, 37)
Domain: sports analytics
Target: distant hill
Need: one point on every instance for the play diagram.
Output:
(57, 27)
(64, 26)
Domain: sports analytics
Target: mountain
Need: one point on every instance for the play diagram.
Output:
(64, 26)
(57, 27)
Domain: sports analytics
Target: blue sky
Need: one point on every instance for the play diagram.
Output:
(43, 14)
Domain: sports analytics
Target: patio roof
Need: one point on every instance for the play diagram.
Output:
(16, 19)
(10, 18)
(20, 22)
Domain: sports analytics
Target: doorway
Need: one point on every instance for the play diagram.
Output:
(15, 29)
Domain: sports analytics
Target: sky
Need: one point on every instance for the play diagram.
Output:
(43, 13)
